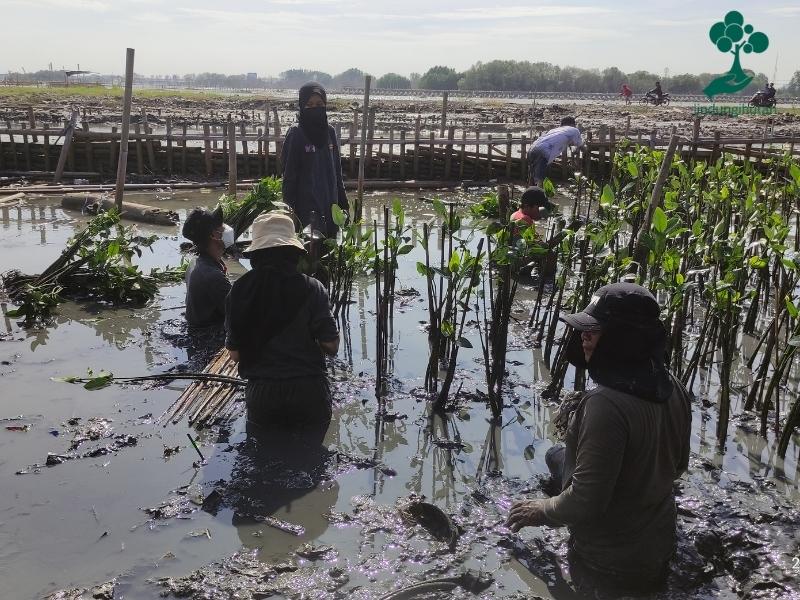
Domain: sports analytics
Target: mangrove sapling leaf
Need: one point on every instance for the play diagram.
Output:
(794, 341)
(462, 341)
(548, 187)
(338, 216)
(794, 170)
(794, 311)
(607, 197)
(659, 220)
(99, 381)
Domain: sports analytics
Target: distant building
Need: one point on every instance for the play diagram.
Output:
(252, 77)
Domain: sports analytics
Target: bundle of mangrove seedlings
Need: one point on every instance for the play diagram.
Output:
(265, 196)
(97, 265)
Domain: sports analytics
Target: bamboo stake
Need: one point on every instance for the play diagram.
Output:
(62, 158)
(231, 160)
(362, 149)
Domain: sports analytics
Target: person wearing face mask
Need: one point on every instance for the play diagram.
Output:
(312, 165)
(627, 441)
(207, 283)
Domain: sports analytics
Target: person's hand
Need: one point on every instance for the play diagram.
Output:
(529, 513)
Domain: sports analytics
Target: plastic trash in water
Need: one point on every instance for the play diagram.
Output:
(81, 182)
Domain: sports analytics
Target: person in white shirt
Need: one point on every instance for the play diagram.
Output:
(550, 145)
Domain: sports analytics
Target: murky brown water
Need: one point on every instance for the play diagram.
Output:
(80, 523)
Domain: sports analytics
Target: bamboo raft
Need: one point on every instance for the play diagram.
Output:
(208, 402)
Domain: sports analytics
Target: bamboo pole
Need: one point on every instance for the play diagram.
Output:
(231, 159)
(139, 155)
(122, 165)
(207, 151)
(32, 123)
(62, 158)
(656, 197)
(364, 127)
(444, 115)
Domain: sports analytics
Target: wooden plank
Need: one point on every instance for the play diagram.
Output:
(260, 169)
(170, 157)
(463, 154)
(183, 149)
(62, 158)
(402, 154)
(87, 148)
(13, 146)
(112, 152)
(391, 153)
(46, 149)
(508, 155)
(276, 125)
(448, 160)
(489, 150)
(139, 151)
(26, 149)
(245, 156)
(151, 155)
(477, 170)
(32, 123)
(231, 159)
(433, 154)
(207, 152)
(443, 124)
(353, 132)
(416, 148)
(523, 163)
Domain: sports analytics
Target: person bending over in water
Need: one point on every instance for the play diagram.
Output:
(627, 442)
(279, 327)
(312, 165)
(549, 146)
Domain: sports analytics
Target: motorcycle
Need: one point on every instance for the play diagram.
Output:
(761, 100)
(654, 100)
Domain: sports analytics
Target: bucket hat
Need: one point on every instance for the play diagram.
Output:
(273, 229)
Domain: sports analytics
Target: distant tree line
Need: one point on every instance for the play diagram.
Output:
(500, 75)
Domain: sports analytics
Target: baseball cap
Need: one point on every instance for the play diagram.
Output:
(623, 303)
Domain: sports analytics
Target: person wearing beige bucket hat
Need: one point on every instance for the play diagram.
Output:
(279, 327)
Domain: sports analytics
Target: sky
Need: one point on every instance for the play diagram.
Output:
(380, 36)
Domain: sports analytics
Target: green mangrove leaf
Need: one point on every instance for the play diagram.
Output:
(100, 381)
(791, 307)
(338, 215)
(464, 342)
(607, 197)
(660, 220)
(447, 329)
(633, 169)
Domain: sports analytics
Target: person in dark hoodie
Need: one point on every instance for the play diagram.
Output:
(627, 442)
(278, 328)
(312, 165)
(207, 282)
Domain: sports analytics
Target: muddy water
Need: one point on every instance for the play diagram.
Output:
(81, 522)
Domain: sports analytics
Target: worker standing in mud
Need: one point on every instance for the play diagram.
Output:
(312, 165)
(279, 327)
(627, 441)
(549, 146)
(207, 282)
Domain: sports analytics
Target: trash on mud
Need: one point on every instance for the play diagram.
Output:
(282, 525)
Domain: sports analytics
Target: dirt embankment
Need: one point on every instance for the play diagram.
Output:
(488, 114)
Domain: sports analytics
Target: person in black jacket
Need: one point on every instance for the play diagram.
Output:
(312, 164)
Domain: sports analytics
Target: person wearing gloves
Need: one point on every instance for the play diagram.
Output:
(207, 282)
(550, 145)
(279, 328)
(312, 165)
(627, 441)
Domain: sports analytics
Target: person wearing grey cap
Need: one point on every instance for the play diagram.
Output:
(627, 441)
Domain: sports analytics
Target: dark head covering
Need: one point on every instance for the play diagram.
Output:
(629, 356)
(314, 121)
(200, 224)
(308, 90)
(568, 121)
(535, 196)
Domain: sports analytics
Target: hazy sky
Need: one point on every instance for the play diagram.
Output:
(269, 36)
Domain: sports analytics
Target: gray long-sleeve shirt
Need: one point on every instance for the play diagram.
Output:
(206, 289)
(623, 455)
(312, 178)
